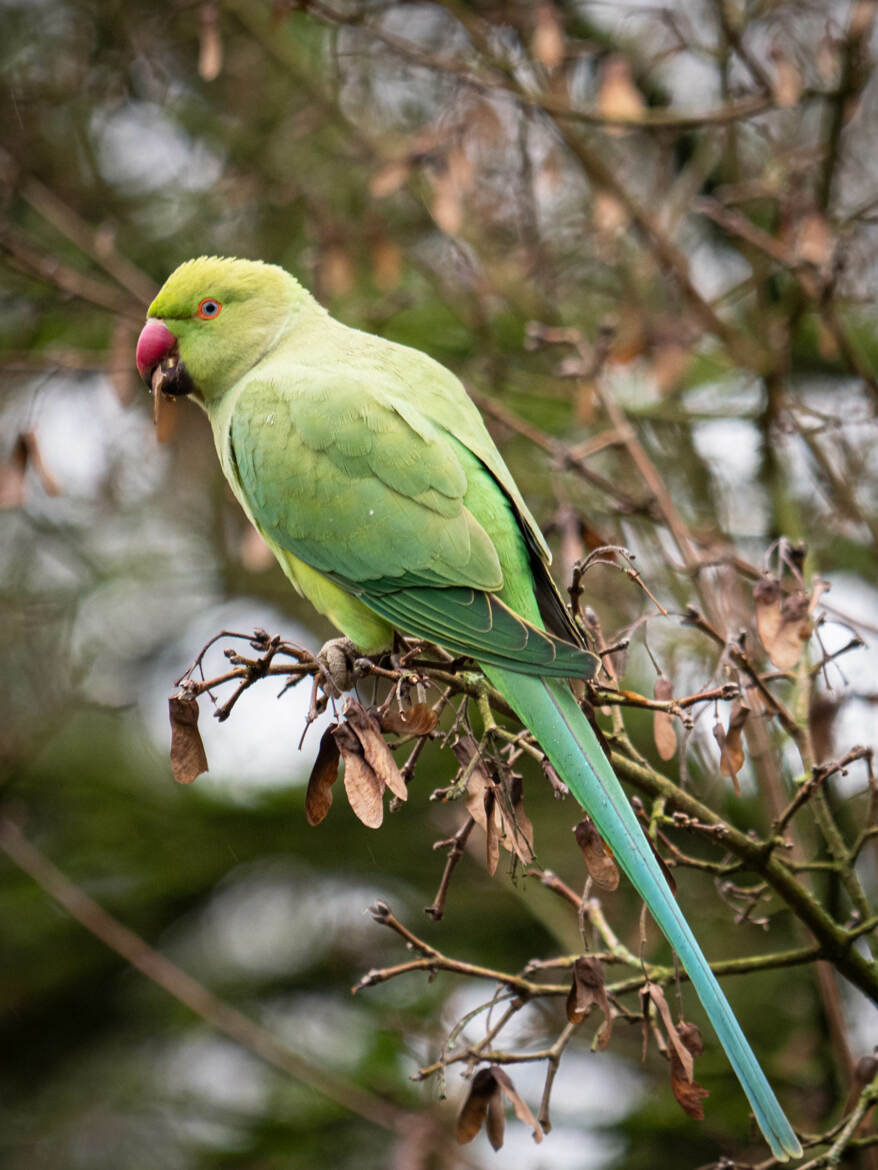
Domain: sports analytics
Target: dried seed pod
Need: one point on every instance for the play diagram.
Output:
(324, 774)
(375, 750)
(598, 859)
(188, 757)
(730, 743)
(687, 1091)
(419, 719)
(364, 790)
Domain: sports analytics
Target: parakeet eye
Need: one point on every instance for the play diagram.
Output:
(209, 308)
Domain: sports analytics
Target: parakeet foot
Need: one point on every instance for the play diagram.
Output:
(338, 660)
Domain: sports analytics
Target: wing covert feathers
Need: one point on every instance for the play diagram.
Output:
(477, 624)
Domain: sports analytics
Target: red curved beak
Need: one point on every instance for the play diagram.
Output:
(156, 342)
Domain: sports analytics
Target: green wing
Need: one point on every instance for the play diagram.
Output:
(380, 500)
(480, 626)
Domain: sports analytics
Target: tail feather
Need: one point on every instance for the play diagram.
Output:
(549, 709)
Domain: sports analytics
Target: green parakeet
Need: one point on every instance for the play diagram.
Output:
(370, 473)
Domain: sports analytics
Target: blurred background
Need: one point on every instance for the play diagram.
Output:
(692, 189)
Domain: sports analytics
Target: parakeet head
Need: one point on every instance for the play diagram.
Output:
(214, 318)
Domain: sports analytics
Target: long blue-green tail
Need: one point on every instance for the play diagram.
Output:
(548, 708)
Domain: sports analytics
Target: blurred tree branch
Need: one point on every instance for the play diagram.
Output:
(213, 1010)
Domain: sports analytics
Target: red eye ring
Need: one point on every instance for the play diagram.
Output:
(209, 308)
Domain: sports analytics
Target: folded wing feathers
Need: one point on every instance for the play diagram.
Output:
(481, 626)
